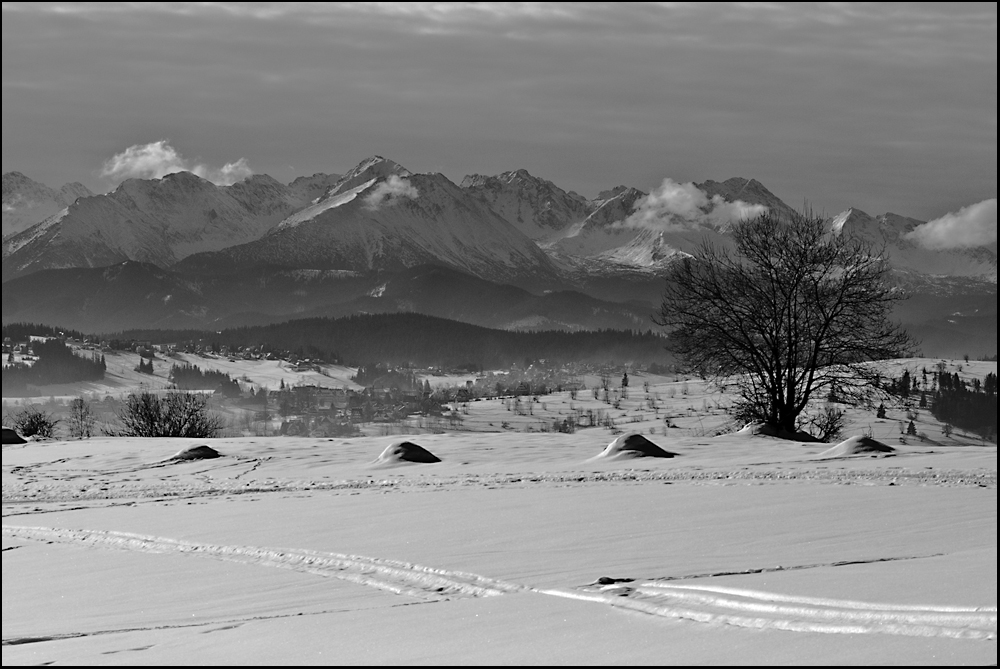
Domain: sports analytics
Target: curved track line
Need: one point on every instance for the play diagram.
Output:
(392, 575)
(703, 604)
(818, 601)
(823, 616)
(831, 610)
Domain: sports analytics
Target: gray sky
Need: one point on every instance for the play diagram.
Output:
(884, 107)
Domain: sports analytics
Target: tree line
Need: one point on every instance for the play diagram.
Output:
(192, 377)
(968, 405)
(21, 331)
(57, 363)
(425, 341)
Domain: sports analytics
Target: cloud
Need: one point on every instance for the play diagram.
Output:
(158, 159)
(230, 173)
(675, 206)
(975, 225)
(393, 187)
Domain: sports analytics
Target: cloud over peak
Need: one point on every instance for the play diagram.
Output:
(389, 190)
(974, 225)
(158, 159)
(677, 206)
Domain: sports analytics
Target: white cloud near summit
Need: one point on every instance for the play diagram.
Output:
(677, 206)
(158, 159)
(975, 225)
(393, 187)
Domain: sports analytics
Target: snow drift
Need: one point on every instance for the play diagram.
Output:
(856, 446)
(405, 451)
(632, 445)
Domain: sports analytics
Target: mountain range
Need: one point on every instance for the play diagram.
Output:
(511, 251)
(26, 202)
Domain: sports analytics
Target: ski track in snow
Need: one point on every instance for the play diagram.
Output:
(704, 604)
(394, 576)
(763, 610)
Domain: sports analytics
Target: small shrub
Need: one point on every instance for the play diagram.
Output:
(178, 414)
(828, 425)
(32, 422)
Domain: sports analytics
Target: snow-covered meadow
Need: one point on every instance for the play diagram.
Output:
(519, 546)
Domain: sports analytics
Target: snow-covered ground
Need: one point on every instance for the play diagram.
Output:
(121, 377)
(518, 547)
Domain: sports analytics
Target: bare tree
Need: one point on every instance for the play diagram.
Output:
(789, 314)
(81, 419)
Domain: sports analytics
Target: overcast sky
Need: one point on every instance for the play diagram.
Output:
(883, 107)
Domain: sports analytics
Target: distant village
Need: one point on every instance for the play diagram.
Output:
(388, 395)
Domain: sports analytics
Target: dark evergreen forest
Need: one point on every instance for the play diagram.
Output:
(422, 341)
(967, 405)
(192, 377)
(56, 364)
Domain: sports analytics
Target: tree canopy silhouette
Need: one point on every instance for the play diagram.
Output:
(791, 313)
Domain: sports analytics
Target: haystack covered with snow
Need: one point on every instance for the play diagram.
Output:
(200, 452)
(405, 451)
(10, 436)
(857, 446)
(765, 430)
(632, 445)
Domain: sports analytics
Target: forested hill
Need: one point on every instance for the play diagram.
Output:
(420, 340)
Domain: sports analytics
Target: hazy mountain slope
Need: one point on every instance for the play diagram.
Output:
(26, 202)
(536, 207)
(446, 293)
(142, 295)
(307, 189)
(601, 230)
(978, 262)
(105, 299)
(158, 221)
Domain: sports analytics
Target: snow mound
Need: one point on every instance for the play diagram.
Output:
(201, 452)
(405, 451)
(765, 430)
(856, 446)
(10, 436)
(752, 428)
(632, 445)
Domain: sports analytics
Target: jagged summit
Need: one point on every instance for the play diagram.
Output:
(904, 254)
(371, 221)
(750, 191)
(535, 206)
(157, 221)
(850, 220)
(375, 167)
(27, 202)
(172, 181)
(12, 180)
(617, 191)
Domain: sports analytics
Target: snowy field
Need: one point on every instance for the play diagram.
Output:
(517, 547)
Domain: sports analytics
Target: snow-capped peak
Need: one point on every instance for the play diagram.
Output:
(334, 199)
(375, 167)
